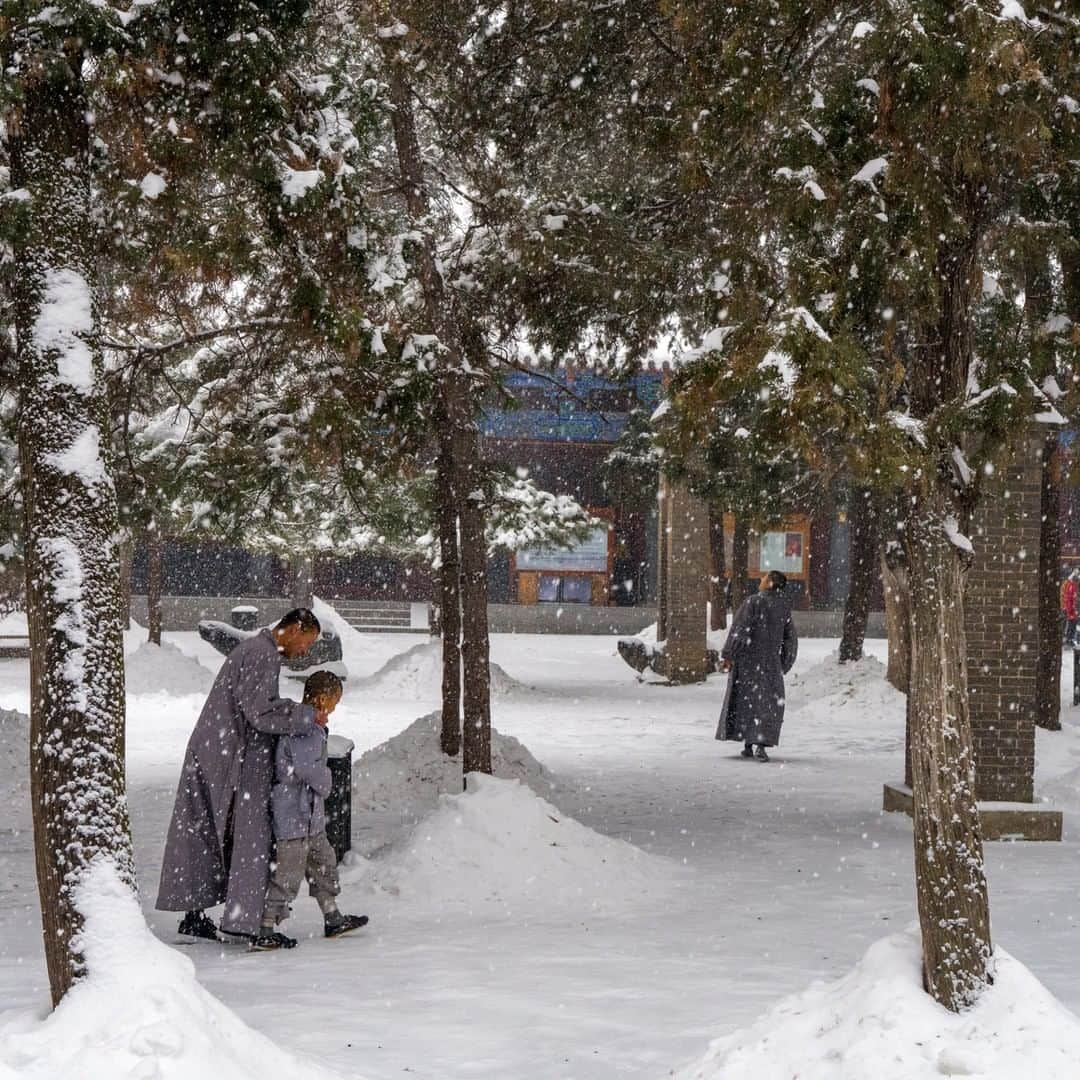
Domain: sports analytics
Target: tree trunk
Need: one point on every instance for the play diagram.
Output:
(718, 577)
(71, 520)
(862, 548)
(740, 563)
(950, 882)
(475, 642)
(461, 514)
(1048, 681)
(450, 606)
(155, 552)
(897, 620)
(303, 583)
(127, 557)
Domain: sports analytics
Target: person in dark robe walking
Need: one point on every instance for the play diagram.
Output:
(760, 650)
(219, 841)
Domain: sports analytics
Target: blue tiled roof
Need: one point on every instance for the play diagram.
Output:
(547, 414)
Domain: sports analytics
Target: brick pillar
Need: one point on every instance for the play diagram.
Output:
(1002, 622)
(687, 583)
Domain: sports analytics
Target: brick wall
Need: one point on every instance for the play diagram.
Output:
(1002, 626)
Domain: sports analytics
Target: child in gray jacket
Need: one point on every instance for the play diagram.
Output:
(301, 783)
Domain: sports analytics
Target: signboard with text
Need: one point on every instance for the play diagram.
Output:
(589, 556)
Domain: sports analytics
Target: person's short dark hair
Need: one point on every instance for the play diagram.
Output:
(777, 580)
(302, 617)
(321, 684)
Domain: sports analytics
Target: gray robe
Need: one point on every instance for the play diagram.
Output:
(218, 846)
(762, 646)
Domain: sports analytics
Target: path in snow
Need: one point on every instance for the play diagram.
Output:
(793, 872)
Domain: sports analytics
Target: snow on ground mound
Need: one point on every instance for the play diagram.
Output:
(405, 775)
(14, 767)
(164, 669)
(417, 673)
(834, 701)
(139, 1011)
(500, 844)
(876, 1023)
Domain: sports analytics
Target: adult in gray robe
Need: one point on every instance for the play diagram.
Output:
(760, 650)
(219, 841)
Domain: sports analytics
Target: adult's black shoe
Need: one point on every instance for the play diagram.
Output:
(344, 924)
(270, 940)
(746, 751)
(759, 753)
(198, 924)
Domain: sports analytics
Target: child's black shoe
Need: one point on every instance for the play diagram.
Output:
(339, 924)
(269, 940)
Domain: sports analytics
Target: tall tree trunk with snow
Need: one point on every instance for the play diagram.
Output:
(950, 880)
(449, 602)
(897, 616)
(458, 441)
(718, 579)
(740, 563)
(71, 522)
(863, 547)
(155, 559)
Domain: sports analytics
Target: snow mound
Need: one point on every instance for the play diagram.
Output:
(854, 686)
(500, 844)
(876, 1023)
(164, 669)
(139, 1011)
(417, 673)
(15, 766)
(406, 775)
(353, 645)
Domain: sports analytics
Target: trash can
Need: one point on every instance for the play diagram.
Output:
(339, 802)
(244, 617)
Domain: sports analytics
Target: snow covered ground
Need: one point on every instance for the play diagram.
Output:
(745, 883)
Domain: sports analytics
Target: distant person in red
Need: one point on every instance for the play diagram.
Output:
(1068, 606)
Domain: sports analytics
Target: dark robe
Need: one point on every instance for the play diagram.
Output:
(762, 646)
(218, 846)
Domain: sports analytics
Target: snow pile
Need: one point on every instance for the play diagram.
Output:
(164, 669)
(500, 844)
(417, 673)
(139, 1011)
(856, 685)
(876, 1023)
(15, 767)
(406, 774)
(352, 641)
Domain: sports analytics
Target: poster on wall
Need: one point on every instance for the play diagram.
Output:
(782, 551)
(589, 556)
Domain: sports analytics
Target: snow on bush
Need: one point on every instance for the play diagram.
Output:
(877, 1023)
(406, 774)
(417, 673)
(164, 669)
(15, 768)
(501, 845)
(139, 1011)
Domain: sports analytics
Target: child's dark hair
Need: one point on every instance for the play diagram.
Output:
(321, 684)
